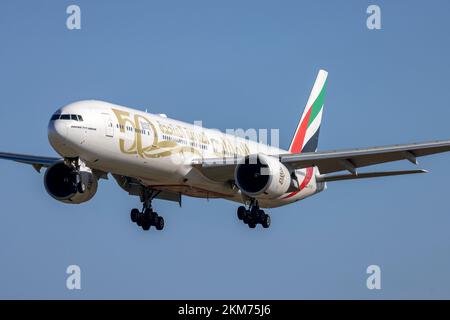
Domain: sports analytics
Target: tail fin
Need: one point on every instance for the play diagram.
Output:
(306, 136)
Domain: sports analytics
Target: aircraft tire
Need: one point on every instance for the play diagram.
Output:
(146, 225)
(140, 219)
(159, 223)
(241, 212)
(134, 215)
(265, 221)
(246, 218)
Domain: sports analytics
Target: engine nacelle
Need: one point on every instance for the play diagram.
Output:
(68, 185)
(262, 176)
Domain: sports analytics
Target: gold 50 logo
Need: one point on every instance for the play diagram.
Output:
(149, 147)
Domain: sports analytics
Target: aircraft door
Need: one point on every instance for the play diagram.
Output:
(109, 125)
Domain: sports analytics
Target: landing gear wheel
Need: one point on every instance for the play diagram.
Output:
(246, 218)
(147, 217)
(260, 216)
(153, 218)
(134, 215)
(254, 211)
(265, 221)
(159, 223)
(140, 219)
(146, 225)
(241, 212)
(253, 215)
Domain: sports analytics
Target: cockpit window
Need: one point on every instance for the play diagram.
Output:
(75, 117)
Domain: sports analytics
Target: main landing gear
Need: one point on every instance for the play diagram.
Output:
(253, 215)
(147, 217)
(76, 164)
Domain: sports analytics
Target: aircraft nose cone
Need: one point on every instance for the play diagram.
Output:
(57, 133)
(58, 138)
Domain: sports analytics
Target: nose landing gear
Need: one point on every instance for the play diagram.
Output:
(147, 217)
(253, 216)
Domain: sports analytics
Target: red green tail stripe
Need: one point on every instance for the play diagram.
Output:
(312, 113)
(300, 137)
(318, 104)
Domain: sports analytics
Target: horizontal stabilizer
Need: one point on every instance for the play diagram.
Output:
(337, 177)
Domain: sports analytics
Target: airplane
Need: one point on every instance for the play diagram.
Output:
(155, 157)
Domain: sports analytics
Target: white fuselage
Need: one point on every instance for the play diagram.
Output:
(158, 151)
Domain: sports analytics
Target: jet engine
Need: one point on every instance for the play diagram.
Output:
(68, 185)
(262, 176)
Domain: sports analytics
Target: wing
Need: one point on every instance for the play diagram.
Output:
(36, 161)
(350, 160)
(331, 161)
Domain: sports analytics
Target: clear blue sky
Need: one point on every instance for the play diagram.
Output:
(231, 64)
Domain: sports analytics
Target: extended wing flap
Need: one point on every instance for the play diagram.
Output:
(338, 177)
